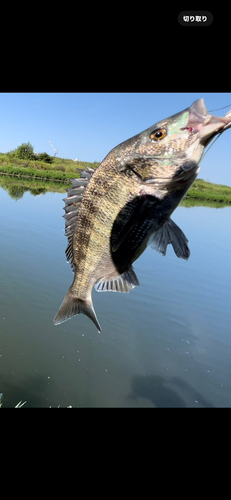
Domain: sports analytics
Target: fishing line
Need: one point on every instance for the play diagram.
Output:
(215, 139)
(219, 108)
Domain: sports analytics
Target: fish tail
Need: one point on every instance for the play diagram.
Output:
(71, 306)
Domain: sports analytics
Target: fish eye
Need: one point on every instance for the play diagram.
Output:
(158, 134)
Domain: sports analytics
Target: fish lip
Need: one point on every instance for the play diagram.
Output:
(208, 126)
(227, 117)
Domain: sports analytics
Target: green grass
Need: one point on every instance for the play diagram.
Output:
(61, 169)
(35, 173)
(206, 191)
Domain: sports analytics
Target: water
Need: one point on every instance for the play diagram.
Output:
(166, 344)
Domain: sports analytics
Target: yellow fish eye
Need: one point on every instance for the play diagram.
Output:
(158, 134)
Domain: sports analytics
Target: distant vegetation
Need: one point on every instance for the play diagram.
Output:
(207, 191)
(24, 163)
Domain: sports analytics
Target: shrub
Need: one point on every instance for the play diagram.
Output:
(25, 152)
(45, 157)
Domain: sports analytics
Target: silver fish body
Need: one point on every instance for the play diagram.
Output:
(113, 213)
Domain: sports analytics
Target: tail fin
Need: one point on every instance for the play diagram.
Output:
(71, 306)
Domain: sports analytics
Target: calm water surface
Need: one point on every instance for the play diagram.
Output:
(166, 344)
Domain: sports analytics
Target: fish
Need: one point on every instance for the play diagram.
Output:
(113, 213)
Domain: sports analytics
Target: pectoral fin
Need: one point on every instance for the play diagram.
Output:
(168, 233)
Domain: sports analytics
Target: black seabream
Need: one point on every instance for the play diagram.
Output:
(113, 213)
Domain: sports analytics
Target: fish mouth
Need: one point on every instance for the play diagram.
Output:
(185, 173)
(208, 126)
(204, 126)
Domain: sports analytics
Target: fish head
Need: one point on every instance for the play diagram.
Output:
(171, 149)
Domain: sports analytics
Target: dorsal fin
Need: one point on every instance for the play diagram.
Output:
(86, 173)
(72, 205)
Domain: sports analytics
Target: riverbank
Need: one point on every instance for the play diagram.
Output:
(61, 170)
(207, 191)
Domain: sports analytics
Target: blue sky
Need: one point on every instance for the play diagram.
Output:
(89, 125)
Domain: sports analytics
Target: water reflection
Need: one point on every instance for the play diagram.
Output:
(16, 187)
(16, 191)
(164, 392)
(33, 390)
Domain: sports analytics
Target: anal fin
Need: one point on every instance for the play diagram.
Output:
(123, 283)
(168, 233)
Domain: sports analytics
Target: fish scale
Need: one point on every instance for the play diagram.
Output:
(113, 213)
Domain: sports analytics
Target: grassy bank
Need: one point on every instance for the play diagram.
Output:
(36, 174)
(61, 170)
(206, 191)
